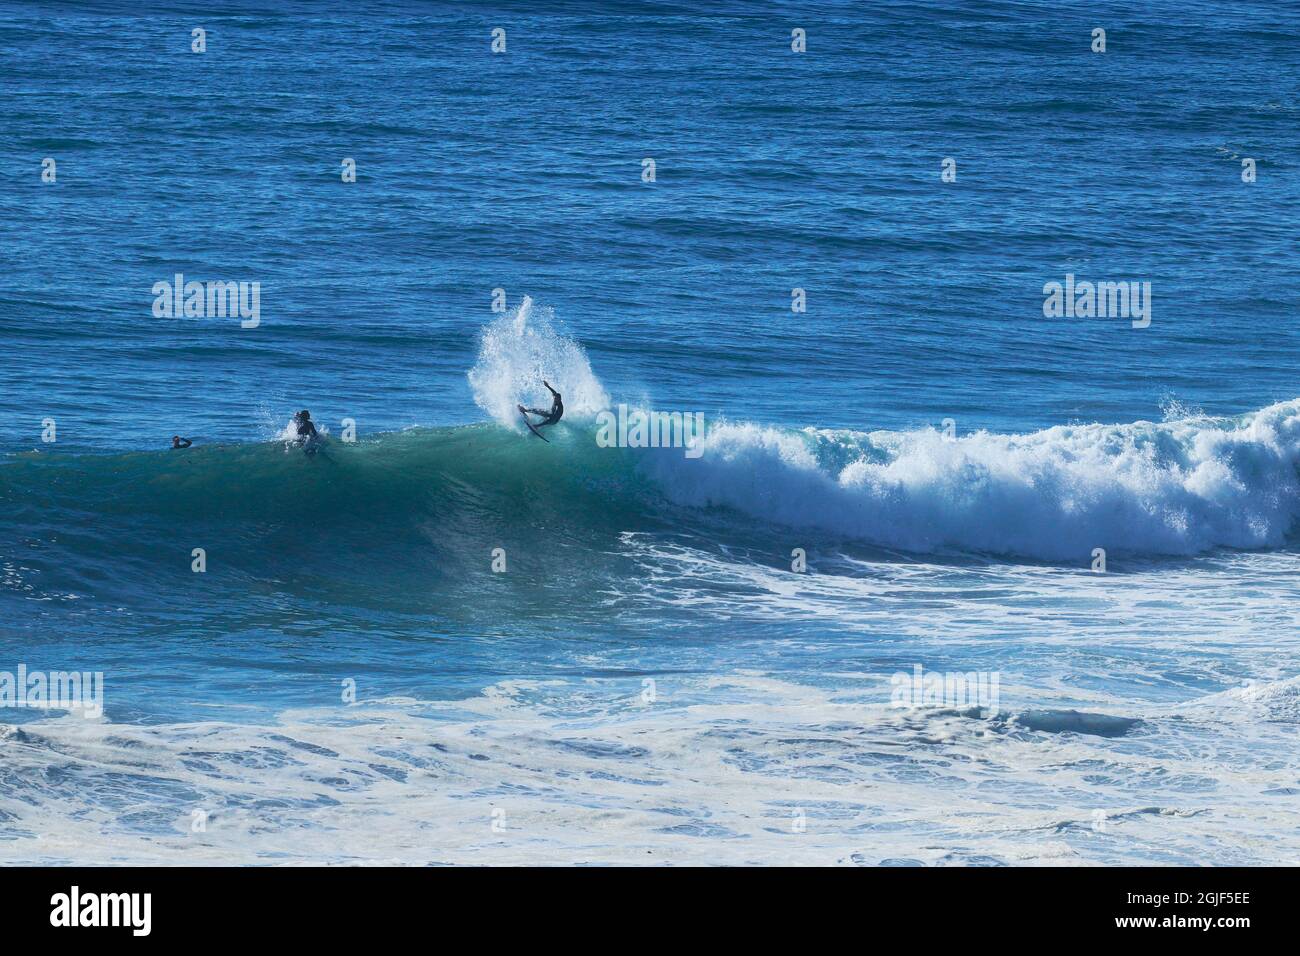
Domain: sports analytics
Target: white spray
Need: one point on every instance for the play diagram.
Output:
(517, 351)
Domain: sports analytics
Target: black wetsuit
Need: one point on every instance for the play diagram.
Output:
(554, 415)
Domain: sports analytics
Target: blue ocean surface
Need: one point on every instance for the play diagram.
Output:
(440, 639)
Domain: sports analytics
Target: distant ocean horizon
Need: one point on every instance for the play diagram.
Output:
(926, 491)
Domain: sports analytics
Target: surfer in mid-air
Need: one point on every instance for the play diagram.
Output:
(548, 418)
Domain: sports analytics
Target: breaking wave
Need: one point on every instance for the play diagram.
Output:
(1177, 487)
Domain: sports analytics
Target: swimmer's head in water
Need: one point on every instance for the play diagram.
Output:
(302, 416)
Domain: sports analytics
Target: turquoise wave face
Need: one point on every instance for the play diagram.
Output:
(395, 515)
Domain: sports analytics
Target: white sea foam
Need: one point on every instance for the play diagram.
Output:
(1180, 487)
(735, 768)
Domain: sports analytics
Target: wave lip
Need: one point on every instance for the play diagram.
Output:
(1176, 488)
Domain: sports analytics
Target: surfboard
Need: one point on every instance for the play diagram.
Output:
(530, 425)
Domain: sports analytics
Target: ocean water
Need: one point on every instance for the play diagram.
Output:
(683, 655)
